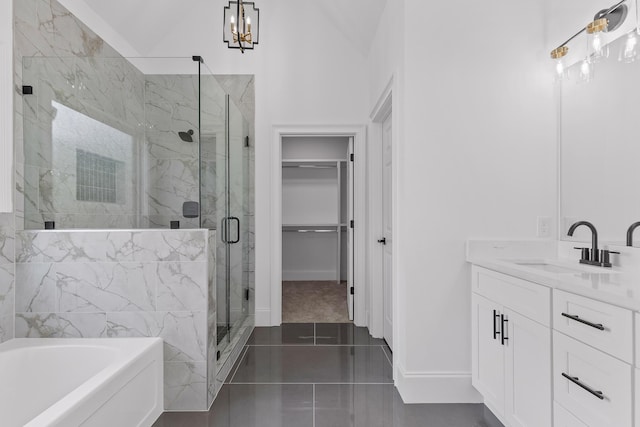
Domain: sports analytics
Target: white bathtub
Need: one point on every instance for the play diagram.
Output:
(95, 382)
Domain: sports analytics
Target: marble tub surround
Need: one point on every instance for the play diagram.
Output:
(129, 283)
(7, 266)
(619, 285)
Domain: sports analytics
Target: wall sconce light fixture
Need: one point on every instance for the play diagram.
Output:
(605, 20)
(241, 29)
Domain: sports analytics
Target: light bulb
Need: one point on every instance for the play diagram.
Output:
(557, 55)
(248, 24)
(586, 71)
(561, 70)
(598, 49)
(629, 51)
(233, 24)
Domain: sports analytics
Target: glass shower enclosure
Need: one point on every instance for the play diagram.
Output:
(141, 143)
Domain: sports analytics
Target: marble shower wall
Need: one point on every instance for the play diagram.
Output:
(89, 104)
(77, 59)
(7, 266)
(154, 283)
(171, 104)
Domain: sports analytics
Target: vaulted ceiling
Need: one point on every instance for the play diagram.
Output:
(144, 25)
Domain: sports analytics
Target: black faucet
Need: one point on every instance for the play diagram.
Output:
(630, 231)
(594, 258)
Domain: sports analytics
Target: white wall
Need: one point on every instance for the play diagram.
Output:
(477, 154)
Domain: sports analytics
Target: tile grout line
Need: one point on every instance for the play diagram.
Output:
(244, 353)
(311, 345)
(297, 383)
(386, 356)
(314, 335)
(313, 412)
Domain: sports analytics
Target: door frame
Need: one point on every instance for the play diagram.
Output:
(381, 111)
(359, 205)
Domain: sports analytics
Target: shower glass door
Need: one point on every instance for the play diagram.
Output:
(225, 168)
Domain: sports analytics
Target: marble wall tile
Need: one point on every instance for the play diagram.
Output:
(7, 239)
(7, 290)
(182, 286)
(7, 327)
(36, 288)
(169, 245)
(104, 287)
(164, 221)
(60, 325)
(185, 386)
(73, 246)
(184, 333)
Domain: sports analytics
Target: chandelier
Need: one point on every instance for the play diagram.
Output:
(241, 27)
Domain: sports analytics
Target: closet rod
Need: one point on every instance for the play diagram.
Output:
(310, 166)
(310, 231)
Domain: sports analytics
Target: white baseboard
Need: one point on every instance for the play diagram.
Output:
(263, 317)
(436, 387)
(308, 275)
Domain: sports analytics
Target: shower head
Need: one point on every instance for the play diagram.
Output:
(186, 136)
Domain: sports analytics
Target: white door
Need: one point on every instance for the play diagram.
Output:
(528, 364)
(387, 232)
(350, 231)
(488, 352)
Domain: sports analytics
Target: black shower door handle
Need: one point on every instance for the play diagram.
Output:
(237, 221)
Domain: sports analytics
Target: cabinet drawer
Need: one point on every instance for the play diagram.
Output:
(608, 328)
(564, 418)
(529, 299)
(598, 372)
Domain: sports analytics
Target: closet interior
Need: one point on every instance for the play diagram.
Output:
(317, 233)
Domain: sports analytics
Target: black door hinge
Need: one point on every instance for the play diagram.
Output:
(218, 355)
(246, 294)
(352, 157)
(27, 90)
(246, 141)
(351, 290)
(351, 223)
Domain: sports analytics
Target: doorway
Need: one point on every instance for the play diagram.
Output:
(356, 230)
(317, 229)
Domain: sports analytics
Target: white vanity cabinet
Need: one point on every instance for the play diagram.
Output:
(592, 360)
(511, 340)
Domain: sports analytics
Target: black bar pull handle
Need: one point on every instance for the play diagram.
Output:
(237, 221)
(577, 382)
(503, 323)
(586, 322)
(496, 332)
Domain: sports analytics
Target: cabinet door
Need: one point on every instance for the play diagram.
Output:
(528, 386)
(487, 353)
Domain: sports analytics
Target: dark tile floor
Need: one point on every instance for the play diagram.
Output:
(319, 375)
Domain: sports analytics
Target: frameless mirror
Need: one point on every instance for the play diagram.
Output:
(599, 145)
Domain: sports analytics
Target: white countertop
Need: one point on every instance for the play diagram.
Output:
(618, 285)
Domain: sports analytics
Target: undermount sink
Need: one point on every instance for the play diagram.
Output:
(551, 268)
